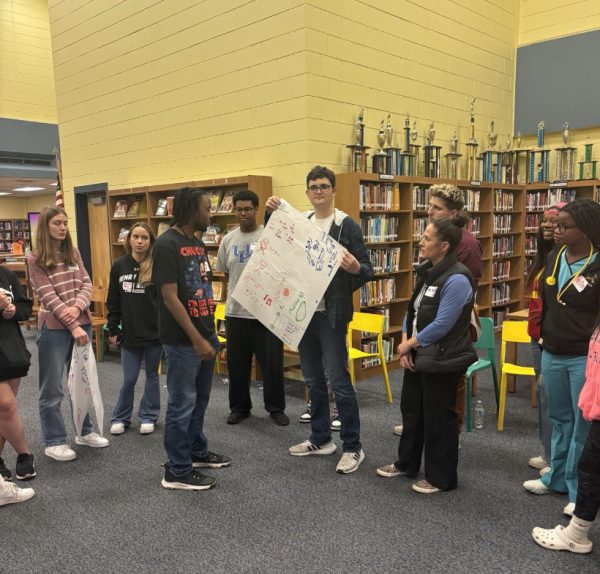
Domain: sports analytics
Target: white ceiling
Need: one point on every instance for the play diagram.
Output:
(10, 183)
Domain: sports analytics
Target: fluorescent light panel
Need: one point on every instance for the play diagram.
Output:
(29, 189)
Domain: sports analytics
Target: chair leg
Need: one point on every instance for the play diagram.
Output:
(495, 377)
(502, 402)
(468, 404)
(386, 379)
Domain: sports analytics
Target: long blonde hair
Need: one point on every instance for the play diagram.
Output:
(46, 256)
(145, 274)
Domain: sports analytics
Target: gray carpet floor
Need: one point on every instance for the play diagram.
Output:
(270, 512)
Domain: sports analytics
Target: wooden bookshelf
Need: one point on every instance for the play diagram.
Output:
(12, 230)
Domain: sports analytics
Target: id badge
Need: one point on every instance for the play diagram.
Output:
(580, 283)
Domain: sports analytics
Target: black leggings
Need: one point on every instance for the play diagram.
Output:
(588, 489)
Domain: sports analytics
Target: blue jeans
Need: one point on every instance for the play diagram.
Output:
(564, 376)
(544, 422)
(149, 409)
(189, 381)
(54, 348)
(324, 356)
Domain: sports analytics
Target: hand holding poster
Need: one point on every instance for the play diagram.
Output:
(288, 273)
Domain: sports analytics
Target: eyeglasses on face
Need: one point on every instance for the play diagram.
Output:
(244, 209)
(322, 187)
(562, 227)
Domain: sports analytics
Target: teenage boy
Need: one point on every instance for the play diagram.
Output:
(246, 336)
(323, 350)
(186, 331)
(446, 201)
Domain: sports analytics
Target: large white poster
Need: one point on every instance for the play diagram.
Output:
(288, 273)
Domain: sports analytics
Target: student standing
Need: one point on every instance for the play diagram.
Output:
(14, 364)
(187, 331)
(132, 320)
(323, 348)
(246, 336)
(64, 290)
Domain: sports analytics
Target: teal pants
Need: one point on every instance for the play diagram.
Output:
(564, 376)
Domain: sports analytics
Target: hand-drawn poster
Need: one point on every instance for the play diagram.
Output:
(288, 273)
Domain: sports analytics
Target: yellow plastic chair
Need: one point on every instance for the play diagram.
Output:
(219, 316)
(370, 323)
(512, 332)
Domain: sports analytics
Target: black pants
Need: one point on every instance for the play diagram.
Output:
(588, 488)
(247, 337)
(428, 406)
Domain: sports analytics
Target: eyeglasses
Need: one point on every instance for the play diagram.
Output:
(241, 210)
(322, 187)
(562, 227)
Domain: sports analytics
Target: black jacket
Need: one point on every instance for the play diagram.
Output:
(454, 352)
(568, 326)
(131, 306)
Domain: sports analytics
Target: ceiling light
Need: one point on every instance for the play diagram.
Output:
(54, 184)
(5, 193)
(29, 189)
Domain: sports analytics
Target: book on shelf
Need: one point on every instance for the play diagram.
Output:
(123, 235)
(420, 199)
(161, 207)
(212, 260)
(162, 227)
(212, 235)
(217, 288)
(385, 260)
(377, 292)
(226, 205)
(170, 199)
(379, 229)
(121, 208)
(376, 196)
(419, 225)
(504, 200)
(215, 198)
(134, 210)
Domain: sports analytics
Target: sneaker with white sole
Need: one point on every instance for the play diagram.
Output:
(307, 448)
(93, 439)
(350, 461)
(424, 487)
(117, 428)
(336, 423)
(25, 468)
(211, 460)
(193, 480)
(10, 493)
(545, 470)
(305, 416)
(398, 430)
(147, 428)
(569, 509)
(536, 486)
(390, 471)
(60, 452)
(538, 462)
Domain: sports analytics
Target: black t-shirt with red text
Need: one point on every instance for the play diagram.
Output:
(179, 259)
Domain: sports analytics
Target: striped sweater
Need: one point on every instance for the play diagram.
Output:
(57, 289)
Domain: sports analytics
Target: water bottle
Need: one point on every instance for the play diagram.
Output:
(479, 415)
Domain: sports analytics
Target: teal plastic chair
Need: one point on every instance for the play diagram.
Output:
(486, 342)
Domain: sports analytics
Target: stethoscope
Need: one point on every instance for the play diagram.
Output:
(551, 280)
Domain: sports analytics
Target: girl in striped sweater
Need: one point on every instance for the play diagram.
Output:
(64, 290)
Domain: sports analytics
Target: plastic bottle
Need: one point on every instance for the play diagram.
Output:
(479, 415)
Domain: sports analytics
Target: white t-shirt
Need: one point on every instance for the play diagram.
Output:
(325, 225)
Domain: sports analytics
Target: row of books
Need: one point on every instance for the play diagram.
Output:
(531, 245)
(5, 225)
(379, 229)
(500, 294)
(504, 200)
(420, 200)
(528, 265)
(371, 347)
(500, 270)
(385, 260)
(502, 246)
(222, 201)
(474, 225)
(419, 225)
(127, 208)
(378, 292)
(377, 196)
(502, 223)
(472, 199)
(533, 221)
(541, 200)
(498, 318)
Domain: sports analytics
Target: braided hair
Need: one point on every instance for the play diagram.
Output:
(586, 214)
(185, 205)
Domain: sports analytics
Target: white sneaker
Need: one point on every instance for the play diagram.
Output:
(306, 448)
(538, 462)
(398, 430)
(569, 509)
(146, 428)
(117, 428)
(350, 461)
(61, 452)
(536, 486)
(93, 439)
(545, 470)
(10, 493)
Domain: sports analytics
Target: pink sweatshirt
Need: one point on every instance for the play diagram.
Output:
(589, 398)
(57, 289)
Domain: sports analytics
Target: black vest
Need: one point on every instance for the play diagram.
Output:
(454, 352)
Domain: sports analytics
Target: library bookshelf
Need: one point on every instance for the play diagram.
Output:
(11, 231)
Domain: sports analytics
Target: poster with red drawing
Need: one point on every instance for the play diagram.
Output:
(288, 273)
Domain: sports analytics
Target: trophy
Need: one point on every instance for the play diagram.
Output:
(540, 134)
(587, 167)
(389, 131)
(413, 162)
(358, 149)
(432, 154)
(452, 165)
(393, 163)
(519, 140)
(380, 159)
(472, 144)
(565, 157)
(492, 158)
(543, 165)
(566, 133)
(430, 134)
(492, 136)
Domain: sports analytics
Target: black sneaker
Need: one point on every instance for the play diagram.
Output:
(211, 460)
(25, 468)
(191, 481)
(235, 417)
(305, 416)
(280, 418)
(4, 470)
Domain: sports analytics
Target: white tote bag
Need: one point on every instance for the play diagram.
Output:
(83, 387)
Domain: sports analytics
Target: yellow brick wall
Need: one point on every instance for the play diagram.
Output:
(542, 20)
(150, 91)
(26, 71)
(19, 207)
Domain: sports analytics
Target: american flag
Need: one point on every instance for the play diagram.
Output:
(59, 194)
